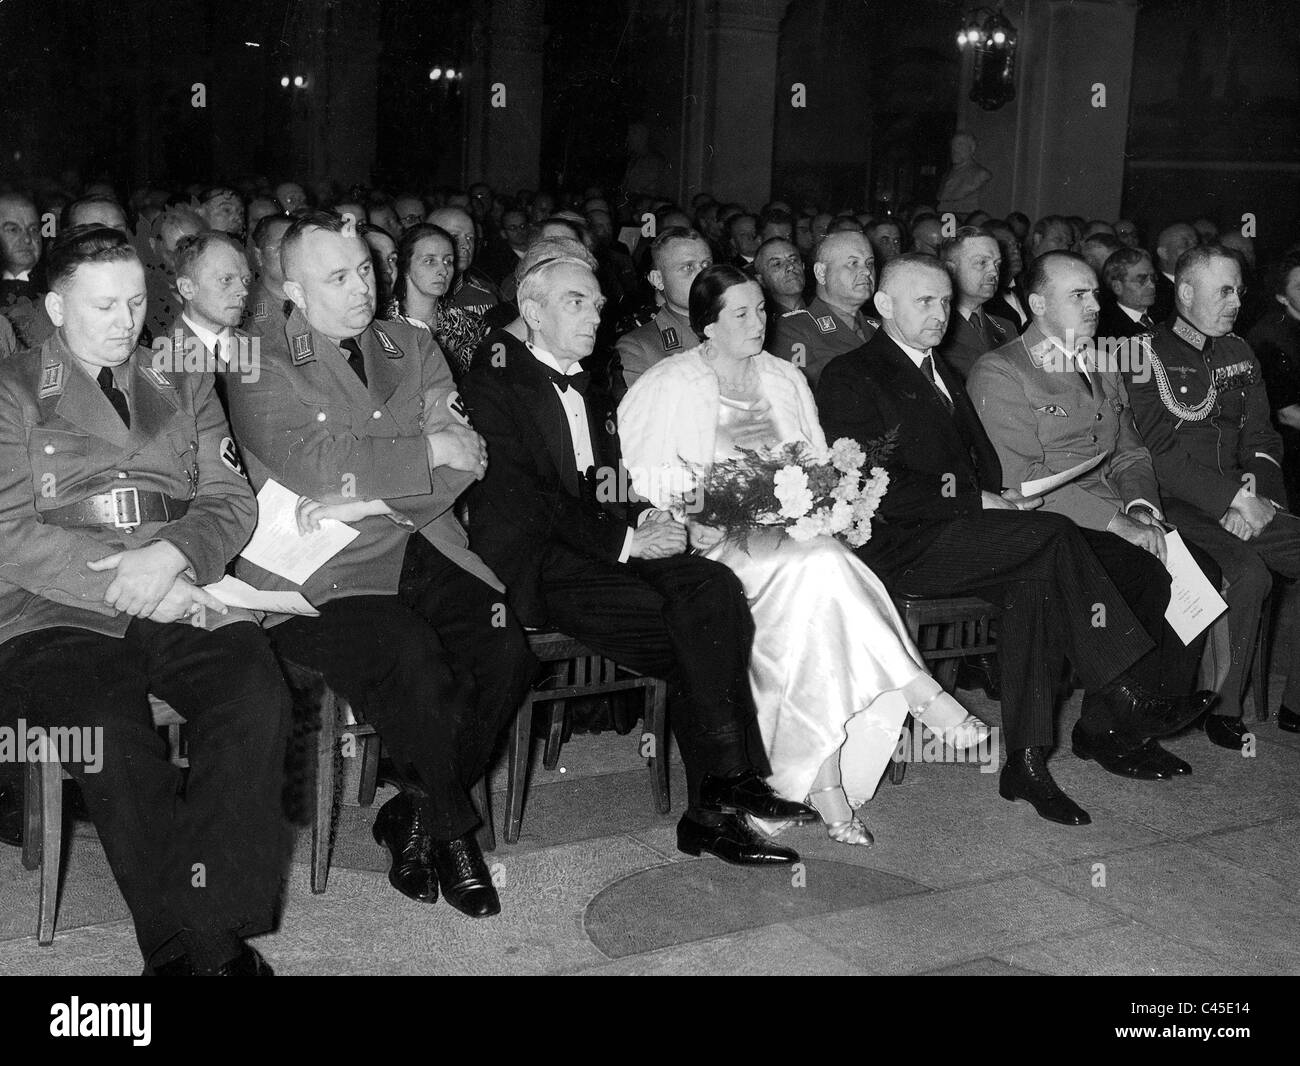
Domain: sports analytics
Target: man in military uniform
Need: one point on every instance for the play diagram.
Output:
(1203, 411)
(265, 311)
(781, 273)
(974, 261)
(362, 421)
(118, 502)
(472, 290)
(833, 322)
(677, 257)
(1046, 404)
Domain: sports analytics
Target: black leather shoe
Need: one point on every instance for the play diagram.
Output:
(177, 967)
(1026, 777)
(400, 828)
(732, 841)
(464, 877)
(1114, 754)
(1226, 732)
(249, 963)
(981, 672)
(1288, 719)
(747, 793)
(1146, 714)
(1166, 759)
(11, 815)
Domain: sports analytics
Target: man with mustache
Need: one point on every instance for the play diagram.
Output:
(1046, 403)
(1203, 411)
(834, 322)
(974, 261)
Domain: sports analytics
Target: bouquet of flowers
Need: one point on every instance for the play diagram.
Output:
(805, 491)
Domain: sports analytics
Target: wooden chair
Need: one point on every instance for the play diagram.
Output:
(339, 727)
(43, 813)
(582, 673)
(944, 630)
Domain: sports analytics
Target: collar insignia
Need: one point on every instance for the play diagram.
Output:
(157, 378)
(386, 342)
(1191, 335)
(826, 323)
(670, 339)
(51, 380)
(302, 352)
(260, 310)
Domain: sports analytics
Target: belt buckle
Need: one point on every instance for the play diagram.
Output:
(126, 507)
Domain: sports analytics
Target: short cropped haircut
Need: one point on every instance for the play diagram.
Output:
(771, 241)
(92, 243)
(302, 225)
(1119, 263)
(1037, 277)
(1197, 258)
(950, 247)
(262, 231)
(535, 284)
(666, 237)
(1045, 223)
(908, 261)
(86, 201)
(189, 250)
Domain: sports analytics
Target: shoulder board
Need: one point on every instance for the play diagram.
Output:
(1189, 334)
(797, 311)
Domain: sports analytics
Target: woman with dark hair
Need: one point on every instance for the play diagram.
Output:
(383, 256)
(833, 670)
(426, 268)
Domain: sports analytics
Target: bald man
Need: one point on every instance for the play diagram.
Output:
(472, 290)
(950, 528)
(1171, 243)
(834, 322)
(96, 210)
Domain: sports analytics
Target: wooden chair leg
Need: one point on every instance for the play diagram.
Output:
(554, 735)
(322, 831)
(370, 751)
(945, 672)
(517, 759)
(656, 699)
(487, 837)
(51, 788)
(32, 825)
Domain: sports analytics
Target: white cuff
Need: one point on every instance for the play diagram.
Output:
(1139, 502)
(626, 553)
(1265, 455)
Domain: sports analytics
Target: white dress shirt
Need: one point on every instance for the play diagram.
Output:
(918, 357)
(575, 410)
(226, 338)
(20, 275)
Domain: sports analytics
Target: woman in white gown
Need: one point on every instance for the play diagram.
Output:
(834, 672)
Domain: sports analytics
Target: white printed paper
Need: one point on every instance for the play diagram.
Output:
(277, 545)
(235, 593)
(1041, 485)
(1194, 602)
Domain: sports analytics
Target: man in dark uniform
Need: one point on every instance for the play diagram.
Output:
(834, 322)
(1203, 411)
(974, 262)
(472, 290)
(118, 502)
(362, 421)
(677, 257)
(265, 311)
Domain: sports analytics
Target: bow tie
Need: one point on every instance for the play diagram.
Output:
(562, 382)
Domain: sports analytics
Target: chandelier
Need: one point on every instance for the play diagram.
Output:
(992, 38)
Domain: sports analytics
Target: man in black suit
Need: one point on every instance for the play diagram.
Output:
(554, 520)
(1173, 241)
(1129, 277)
(947, 527)
(974, 261)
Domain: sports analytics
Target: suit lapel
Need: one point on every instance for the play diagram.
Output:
(384, 362)
(537, 393)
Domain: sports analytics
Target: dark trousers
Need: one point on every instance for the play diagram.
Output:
(199, 858)
(684, 619)
(438, 670)
(1246, 566)
(1056, 601)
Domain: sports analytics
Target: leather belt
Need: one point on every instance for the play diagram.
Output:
(123, 508)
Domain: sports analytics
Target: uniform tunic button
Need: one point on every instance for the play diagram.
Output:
(1182, 388)
(1094, 438)
(49, 449)
(1098, 416)
(320, 416)
(378, 414)
(121, 473)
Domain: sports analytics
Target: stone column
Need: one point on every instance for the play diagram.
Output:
(507, 153)
(1055, 149)
(731, 99)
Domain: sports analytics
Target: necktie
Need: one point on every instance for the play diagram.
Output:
(1081, 367)
(579, 381)
(927, 368)
(355, 359)
(115, 395)
(977, 322)
(1145, 321)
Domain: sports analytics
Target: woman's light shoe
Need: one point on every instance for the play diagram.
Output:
(850, 832)
(951, 722)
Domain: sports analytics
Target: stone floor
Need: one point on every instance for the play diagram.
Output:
(1196, 876)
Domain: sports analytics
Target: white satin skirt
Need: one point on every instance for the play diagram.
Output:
(831, 655)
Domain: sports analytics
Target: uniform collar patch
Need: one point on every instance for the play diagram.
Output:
(386, 342)
(157, 378)
(1189, 333)
(302, 352)
(825, 323)
(51, 380)
(260, 310)
(668, 335)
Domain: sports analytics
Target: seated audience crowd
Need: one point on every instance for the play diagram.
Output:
(461, 376)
